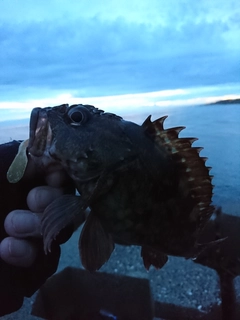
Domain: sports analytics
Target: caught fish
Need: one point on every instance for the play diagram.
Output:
(144, 185)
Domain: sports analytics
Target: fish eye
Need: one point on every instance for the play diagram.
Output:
(77, 116)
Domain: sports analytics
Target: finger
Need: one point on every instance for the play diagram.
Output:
(22, 224)
(40, 197)
(18, 252)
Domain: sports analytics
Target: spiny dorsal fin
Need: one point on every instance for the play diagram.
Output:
(191, 168)
(147, 122)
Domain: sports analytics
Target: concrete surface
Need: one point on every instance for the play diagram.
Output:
(181, 287)
(180, 282)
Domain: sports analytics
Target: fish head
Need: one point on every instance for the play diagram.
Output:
(82, 138)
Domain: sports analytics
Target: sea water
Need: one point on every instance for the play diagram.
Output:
(216, 126)
(218, 129)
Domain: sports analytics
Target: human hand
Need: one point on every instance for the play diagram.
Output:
(24, 267)
(20, 225)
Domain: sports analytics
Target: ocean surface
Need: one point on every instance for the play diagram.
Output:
(216, 126)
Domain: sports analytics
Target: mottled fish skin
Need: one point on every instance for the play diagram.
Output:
(144, 185)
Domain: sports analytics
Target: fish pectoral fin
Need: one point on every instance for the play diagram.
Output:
(95, 244)
(58, 215)
(204, 247)
(153, 257)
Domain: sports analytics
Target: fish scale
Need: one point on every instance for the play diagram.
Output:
(144, 185)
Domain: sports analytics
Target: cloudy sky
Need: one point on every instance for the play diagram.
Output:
(56, 51)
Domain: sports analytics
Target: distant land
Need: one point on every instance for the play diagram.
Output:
(228, 101)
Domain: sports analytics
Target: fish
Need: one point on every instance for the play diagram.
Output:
(142, 184)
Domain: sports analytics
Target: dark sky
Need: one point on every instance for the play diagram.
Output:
(102, 48)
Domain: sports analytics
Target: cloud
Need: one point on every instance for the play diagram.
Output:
(126, 103)
(96, 55)
(171, 12)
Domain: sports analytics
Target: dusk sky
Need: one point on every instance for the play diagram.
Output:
(55, 51)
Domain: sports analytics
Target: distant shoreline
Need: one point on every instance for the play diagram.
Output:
(228, 101)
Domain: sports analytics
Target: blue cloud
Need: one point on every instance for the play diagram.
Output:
(100, 57)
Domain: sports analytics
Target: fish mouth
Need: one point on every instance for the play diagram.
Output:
(40, 133)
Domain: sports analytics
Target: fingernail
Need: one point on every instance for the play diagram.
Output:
(17, 248)
(23, 223)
